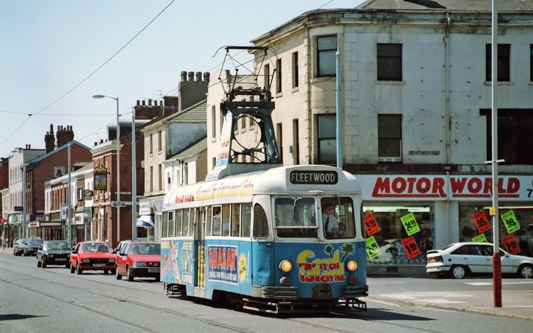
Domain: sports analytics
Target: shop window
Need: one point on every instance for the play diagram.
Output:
(392, 231)
(389, 62)
(504, 62)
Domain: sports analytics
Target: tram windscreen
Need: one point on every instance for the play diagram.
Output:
(296, 217)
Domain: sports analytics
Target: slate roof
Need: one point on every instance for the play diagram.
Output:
(194, 149)
(65, 146)
(447, 5)
(196, 113)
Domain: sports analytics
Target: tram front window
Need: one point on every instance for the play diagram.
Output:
(296, 217)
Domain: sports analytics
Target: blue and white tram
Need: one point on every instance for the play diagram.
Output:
(259, 241)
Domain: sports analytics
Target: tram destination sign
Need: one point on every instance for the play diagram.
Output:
(314, 177)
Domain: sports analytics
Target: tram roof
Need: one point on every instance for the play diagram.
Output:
(288, 179)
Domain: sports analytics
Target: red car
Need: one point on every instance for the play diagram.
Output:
(139, 259)
(92, 256)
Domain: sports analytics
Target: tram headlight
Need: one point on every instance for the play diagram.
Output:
(285, 266)
(351, 265)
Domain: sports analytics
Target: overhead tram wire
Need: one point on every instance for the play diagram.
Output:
(90, 75)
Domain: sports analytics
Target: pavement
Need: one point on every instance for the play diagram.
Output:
(514, 303)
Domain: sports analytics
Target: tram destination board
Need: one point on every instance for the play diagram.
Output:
(314, 177)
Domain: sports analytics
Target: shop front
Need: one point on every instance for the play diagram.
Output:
(149, 222)
(407, 215)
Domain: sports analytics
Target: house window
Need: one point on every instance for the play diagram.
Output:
(504, 62)
(326, 49)
(515, 135)
(151, 179)
(160, 177)
(159, 141)
(389, 57)
(151, 144)
(295, 142)
(213, 122)
(279, 138)
(531, 62)
(389, 138)
(266, 76)
(295, 70)
(278, 76)
(327, 139)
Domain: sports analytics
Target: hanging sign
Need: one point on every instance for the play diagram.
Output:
(372, 247)
(481, 221)
(510, 221)
(510, 244)
(371, 225)
(412, 250)
(410, 225)
(480, 239)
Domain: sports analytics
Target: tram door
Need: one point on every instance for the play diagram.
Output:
(199, 247)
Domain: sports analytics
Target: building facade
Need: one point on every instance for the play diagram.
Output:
(415, 101)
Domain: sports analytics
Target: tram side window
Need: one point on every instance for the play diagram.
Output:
(235, 220)
(178, 223)
(217, 215)
(209, 222)
(260, 222)
(226, 212)
(186, 222)
(246, 210)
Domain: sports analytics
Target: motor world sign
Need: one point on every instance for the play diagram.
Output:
(455, 187)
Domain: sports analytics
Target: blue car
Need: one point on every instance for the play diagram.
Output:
(19, 246)
(32, 247)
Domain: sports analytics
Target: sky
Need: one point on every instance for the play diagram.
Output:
(56, 54)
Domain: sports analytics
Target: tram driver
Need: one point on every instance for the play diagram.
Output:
(331, 226)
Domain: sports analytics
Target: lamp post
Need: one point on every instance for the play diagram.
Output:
(118, 163)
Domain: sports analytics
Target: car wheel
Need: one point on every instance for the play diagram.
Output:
(119, 277)
(157, 279)
(130, 274)
(113, 271)
(106, 271)
(71, 268)
(458, 272)
(67, 265)
(525, 271)
(43, 265)
(78, 269)
(38, 263)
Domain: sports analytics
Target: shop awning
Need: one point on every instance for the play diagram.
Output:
(146, 221)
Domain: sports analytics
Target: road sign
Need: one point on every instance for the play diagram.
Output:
(118, 203)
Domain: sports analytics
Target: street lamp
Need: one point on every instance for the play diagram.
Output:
(118, 164)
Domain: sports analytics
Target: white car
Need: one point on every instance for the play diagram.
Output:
(461, 259)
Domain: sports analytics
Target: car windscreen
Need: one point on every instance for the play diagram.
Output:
(55, 245)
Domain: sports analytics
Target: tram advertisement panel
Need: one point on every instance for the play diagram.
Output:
(223, 264)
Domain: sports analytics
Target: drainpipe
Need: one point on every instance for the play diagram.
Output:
(447, 83)
(309, 127)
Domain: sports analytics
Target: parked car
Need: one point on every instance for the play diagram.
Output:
(92, 256)
(19, 246)
(461, 259)
(139, 259)
(121, 246)
(32, 246)
(55, 252)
